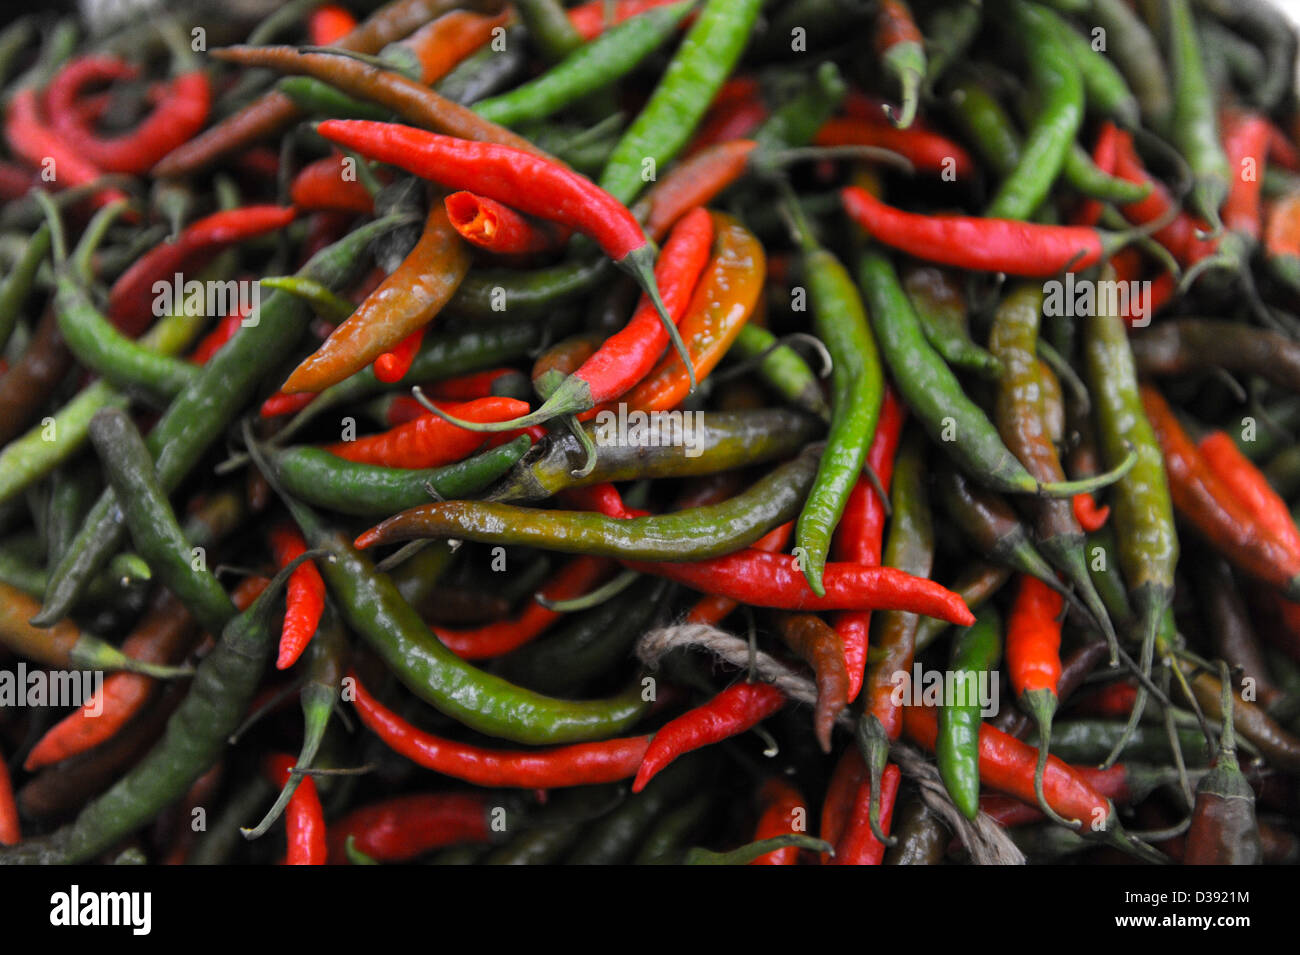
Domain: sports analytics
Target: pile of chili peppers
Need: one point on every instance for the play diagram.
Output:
(658, 432)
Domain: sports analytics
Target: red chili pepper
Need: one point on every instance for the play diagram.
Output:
(1113, 783)
(444, 43)
(1034, 637)
(281, 404)
(492, 640)
(594, 17)
(429, 441)
(402, 828)
(784, 811)
(304, 599)
(1203, 499)
(527, 182)
(392, 366)
(1179, 236)
(1105, 154)
(712, 608)
(10, 831)
(322, 185)
(160, 637)
(861, 530)
(859, 845)
(477, 384)
(739, 707)
(497, 228)
(304, 819)
(692, 182)
(1007, 765)
(1113, 701)
(1281, 150)
(329, 23)
(217, 338)
(180, 112)
(772, 580)
(131, 299)
(926, 150)
(1250, 487)
(1088, 514)
(629, 355)
(982, 245)
(580, 764)
(841, 795)
(1245, 141)
(732, 119)
(31, 140)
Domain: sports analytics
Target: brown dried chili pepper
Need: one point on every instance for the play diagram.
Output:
(739, 707)
(816, 643)
(578, 764)
(1224, 830)
(407, 300)
(273, 112)
(1279, 748)
(1203, 499)
(26, 386)
(1230, 626)
(1186, 345)
(132, 299)
(412, 101)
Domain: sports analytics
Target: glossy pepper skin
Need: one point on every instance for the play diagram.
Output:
(1224, 830)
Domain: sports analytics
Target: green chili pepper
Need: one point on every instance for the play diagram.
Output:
(374, 610)
(320, 99)
(857, 390)
(495, 294)
(130, 472)
(12, 40)
(200, 413)
(705, 58)
(933, 393)
(486, 72)
(326, 480)
(1194, 126)
(591, 66)
(1144, 517)
(975, 651)
(666, 842)
(587, 645)
(1104, 87)
(1138, 57)
(219, 843)
(1091, 741)
(977, 583)
(992, 528)
(57, 47)
(1022, 425)
(326, 665)
(693, 534)
(18, 283)
(549, 28)
(795, 123)
(950, 29)
(612, 839)
(782, 368)
(72, 490)
(939, 303)
(1056, 82)
(197, 732)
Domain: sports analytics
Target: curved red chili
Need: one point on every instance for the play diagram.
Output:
(304, 599)
(304, 819)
